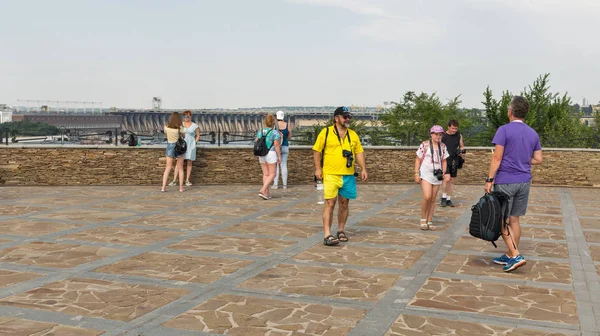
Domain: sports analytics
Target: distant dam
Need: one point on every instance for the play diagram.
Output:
(150, 122)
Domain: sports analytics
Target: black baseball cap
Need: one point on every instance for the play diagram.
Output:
(342, 110)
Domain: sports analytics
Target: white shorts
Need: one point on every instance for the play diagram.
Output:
(269, 158)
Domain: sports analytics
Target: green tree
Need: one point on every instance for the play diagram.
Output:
(368, 133)
(550, 114)
(411, 118)
(27, 128)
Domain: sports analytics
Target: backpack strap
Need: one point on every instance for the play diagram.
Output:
(324, 145)
(424, 143)
(506, 216)
(273, 142)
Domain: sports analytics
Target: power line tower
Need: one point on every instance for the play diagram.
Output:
(156, 103)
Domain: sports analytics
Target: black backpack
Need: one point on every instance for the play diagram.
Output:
(132, 141)
(260, 146)
(180, 146)
(488, 216)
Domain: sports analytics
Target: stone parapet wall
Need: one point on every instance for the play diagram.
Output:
(110, 165)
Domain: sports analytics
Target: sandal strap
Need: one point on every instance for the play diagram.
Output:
(330, 239)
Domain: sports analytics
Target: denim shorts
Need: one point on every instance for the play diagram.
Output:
(170, 152)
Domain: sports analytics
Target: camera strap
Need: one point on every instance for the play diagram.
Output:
(340, 140)
(433, 155)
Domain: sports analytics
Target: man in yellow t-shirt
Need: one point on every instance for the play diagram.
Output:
(336, 150)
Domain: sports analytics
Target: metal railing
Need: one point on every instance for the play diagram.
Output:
(307, 137)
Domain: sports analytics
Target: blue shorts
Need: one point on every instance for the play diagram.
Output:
(170, 152)
(344, 185)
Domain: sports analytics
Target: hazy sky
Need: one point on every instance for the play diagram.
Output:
(251, 53)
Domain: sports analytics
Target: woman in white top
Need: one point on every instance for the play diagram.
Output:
(286, 135)
(192, 135)
(430, 166)
(172, 131)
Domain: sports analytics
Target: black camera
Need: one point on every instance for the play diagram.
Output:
(439, 174)
(349, 158)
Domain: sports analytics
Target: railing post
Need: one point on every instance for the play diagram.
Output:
(116, 138)
(219, 137)
(6, 135)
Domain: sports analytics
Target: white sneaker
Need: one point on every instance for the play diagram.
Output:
(172, 184)
(274, 186)
(188, 183)
(284, 187)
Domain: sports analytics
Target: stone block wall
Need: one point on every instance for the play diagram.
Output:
(110, 165)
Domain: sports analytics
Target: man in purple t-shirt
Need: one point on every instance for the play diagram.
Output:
(517, 147)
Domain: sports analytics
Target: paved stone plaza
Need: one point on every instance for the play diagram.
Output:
(219, 260)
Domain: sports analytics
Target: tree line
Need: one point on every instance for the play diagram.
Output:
(551, 115)
(407, 121)
(28, 128)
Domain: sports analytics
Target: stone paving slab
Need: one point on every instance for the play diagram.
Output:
(84, 215)
(394, 238)
(219, 260)
(595, 252)
(272, 229)
(323, 281)
(33, 228)
(16, 210)
(54, 254)
(424, 326)
(496, 298)
(96, 298)
(9, 278)
(121, 235)
(177, 267)
(361, 256)
(233, 245)
(543, 271)
(546, 249)
(238, 315)
(541, 220)
(14, 326)
(590, 223)
(176, 222)
(400, 223)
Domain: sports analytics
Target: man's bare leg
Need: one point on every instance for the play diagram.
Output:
(342, 212)
(328, 215)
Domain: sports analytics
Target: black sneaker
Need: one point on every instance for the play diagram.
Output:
(443, 202)
(449, 203)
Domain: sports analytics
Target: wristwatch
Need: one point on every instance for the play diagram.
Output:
(489, 179)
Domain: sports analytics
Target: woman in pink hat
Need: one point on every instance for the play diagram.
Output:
(430, 166)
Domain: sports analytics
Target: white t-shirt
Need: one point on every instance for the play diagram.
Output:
(429, 163)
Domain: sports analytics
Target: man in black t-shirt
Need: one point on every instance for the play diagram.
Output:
(454, 142)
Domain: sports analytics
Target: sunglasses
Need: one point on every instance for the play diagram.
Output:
(347, 117)
(186, 117)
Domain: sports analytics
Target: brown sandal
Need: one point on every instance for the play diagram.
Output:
(330, 241)
(341, 236)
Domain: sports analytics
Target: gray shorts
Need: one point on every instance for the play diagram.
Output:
(519, 197)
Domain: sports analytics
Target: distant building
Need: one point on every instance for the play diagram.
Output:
(588, 118)
(5, 113)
